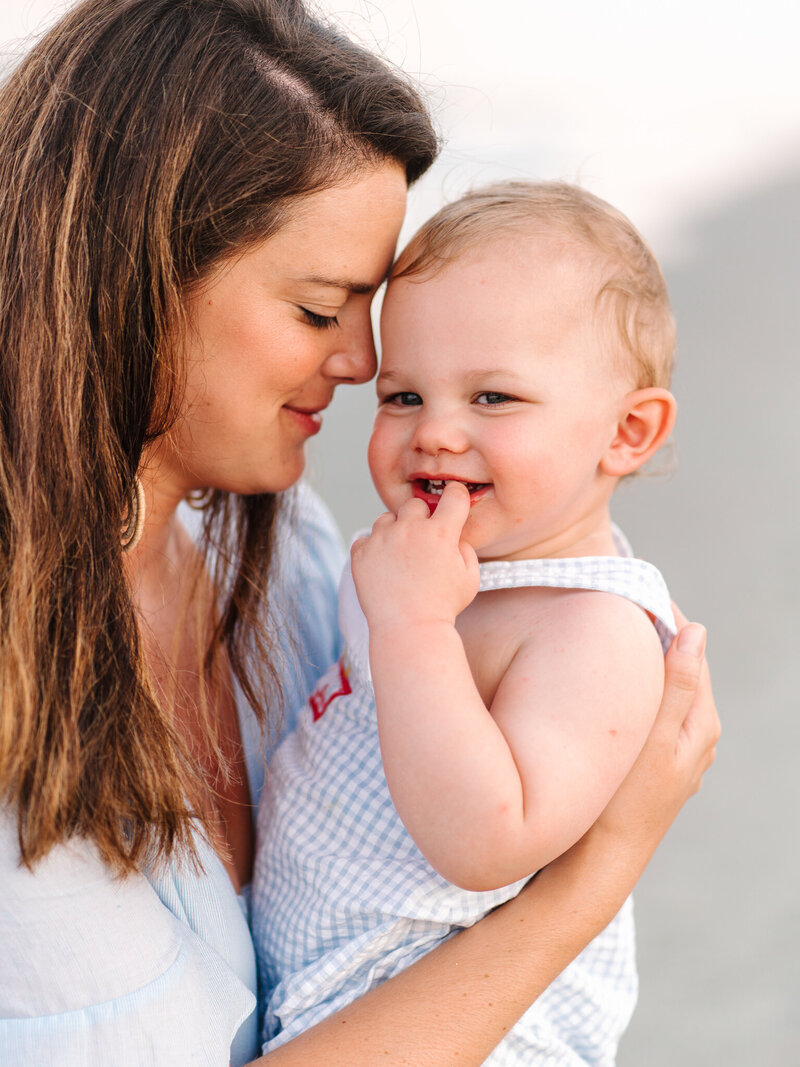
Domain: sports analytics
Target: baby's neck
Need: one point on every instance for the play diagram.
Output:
(590, 536)
(598, 541)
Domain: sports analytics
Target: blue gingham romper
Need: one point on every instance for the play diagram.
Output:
(342, 897)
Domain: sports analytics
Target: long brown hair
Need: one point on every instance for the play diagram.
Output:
(141, 141)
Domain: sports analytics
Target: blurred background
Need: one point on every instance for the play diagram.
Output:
(686, 116)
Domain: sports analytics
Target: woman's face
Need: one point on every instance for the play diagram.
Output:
(275, 330)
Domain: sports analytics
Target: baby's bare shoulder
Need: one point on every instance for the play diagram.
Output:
(587, 650)
(530, 628)
(587, 616)
(535, 606)
(538, 621)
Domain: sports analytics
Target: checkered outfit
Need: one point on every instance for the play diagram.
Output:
(342, 897)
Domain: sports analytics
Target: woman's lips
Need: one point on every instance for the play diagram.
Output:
(309, 419)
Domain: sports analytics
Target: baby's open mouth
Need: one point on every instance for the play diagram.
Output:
(435, 486)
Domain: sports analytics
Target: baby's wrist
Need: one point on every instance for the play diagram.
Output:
(397, 630)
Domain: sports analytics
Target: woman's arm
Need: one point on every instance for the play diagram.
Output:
(460, 1000)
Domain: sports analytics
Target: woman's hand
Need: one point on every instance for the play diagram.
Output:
(680, 749)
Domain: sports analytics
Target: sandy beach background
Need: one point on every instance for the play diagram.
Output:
(687, 116)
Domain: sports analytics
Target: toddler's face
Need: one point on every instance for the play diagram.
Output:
(492, 374)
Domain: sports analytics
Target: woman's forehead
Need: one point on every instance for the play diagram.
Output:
(343, 235)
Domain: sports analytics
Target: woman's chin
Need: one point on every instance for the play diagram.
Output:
(254, 486)
(273, 481)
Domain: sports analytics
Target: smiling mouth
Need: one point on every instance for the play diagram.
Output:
(435, 486)
(309, 419)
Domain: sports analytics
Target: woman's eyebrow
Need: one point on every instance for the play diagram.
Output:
(341, 283)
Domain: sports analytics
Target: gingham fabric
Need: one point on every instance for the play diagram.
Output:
(343, 899)
(635, 579)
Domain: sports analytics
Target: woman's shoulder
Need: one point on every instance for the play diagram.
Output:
(94, 963)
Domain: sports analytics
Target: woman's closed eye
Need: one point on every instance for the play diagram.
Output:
(320, 322)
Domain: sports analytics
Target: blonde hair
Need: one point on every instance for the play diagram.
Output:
(632, 297)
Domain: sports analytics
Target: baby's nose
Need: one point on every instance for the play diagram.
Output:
(440, 433)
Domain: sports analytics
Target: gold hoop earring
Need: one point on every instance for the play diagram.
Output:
(197, 499)
(132, 530)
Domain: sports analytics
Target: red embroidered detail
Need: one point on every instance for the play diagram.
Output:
(325, 693)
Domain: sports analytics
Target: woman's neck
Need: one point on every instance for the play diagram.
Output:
(175, 603)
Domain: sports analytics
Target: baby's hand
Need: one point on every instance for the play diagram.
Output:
(415, 567)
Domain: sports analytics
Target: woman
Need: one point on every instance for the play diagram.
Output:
(200, 198)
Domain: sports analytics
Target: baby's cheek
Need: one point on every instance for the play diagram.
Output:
(382, 457)
(392, 491)
(377, 470)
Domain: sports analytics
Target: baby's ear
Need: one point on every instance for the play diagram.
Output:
(645, 423)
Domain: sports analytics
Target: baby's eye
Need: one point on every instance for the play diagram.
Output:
(493, 398)
(403, 400)
(320, 322)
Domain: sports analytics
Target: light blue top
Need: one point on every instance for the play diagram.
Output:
(159, 970)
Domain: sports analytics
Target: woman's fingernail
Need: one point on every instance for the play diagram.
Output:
(692, 639)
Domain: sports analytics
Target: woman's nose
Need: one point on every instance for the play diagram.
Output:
(354, 359)
(439, 432)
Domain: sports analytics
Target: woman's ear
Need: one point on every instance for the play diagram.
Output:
(644, 425)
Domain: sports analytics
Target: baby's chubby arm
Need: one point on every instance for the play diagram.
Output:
(575, 706)
(491, 795)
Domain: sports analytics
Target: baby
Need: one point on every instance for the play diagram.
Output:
(508, 662)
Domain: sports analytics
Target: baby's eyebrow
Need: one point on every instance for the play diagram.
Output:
(388, 376)
(479, 377)
(504, 374)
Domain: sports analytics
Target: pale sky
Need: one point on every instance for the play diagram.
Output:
(666, 109)
(663, 108)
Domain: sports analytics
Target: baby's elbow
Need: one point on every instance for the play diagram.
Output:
(477, 881)
(489, 853)
(482, 874)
